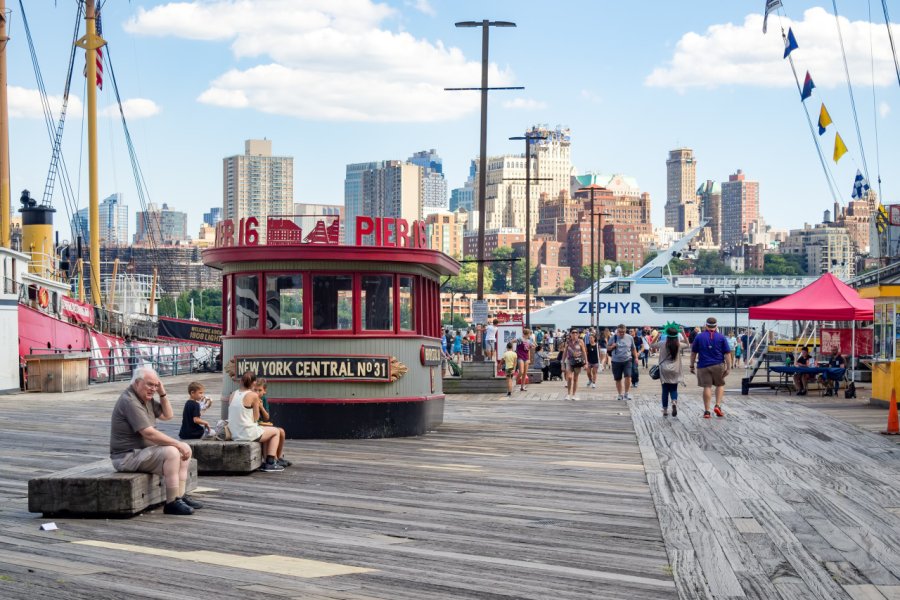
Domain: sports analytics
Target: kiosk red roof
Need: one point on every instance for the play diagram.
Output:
(826, 299)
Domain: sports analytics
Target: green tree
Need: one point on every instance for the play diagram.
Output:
(467, 280)
(207, 305)
(501, 269)
(650, 256)
(784, 264)
(709, 262)
(569, 285)
(458, 321)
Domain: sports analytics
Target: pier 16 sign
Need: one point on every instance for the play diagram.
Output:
(308, 367)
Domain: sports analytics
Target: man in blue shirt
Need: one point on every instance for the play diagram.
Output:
(713, 365)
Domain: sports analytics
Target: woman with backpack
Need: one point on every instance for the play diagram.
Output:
(670, 346)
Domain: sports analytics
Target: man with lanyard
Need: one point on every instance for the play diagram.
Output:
(713, 365)
(835, 361)
(624, 358)
(801, 379)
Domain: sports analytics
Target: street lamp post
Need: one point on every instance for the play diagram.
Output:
(482, 161)
(593, 311)
(734, 294)
(528, 140)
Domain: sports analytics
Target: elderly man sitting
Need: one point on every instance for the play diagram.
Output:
(136, 445)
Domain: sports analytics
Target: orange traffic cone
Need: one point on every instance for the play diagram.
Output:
(893, 427)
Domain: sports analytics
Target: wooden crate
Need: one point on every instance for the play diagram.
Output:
(58, 373)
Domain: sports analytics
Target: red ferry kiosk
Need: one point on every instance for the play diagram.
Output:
(348, 337)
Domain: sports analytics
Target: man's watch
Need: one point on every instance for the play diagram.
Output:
(163, 395)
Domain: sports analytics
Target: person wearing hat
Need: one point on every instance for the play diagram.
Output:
(670, 346)
(711, 355)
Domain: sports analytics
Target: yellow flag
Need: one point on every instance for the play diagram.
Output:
(824, 119)
(840, 148)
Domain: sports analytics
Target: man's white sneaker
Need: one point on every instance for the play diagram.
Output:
(567, 397)
(574, 398)
(628, 396)
(620, 397)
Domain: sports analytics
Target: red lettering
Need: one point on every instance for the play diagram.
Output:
(377, 231)
(386, 239)
(228, 232)
(402, 233)
(241, 233)
(251, 236)
(364, 226)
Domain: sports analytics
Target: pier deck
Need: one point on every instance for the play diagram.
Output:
(532, 497)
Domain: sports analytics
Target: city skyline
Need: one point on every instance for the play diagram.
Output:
(187, 89)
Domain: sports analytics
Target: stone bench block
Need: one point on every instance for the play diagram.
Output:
(226, 457)
(98, 489)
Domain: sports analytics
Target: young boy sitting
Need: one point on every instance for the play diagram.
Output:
(193, 427)
(260, 387)
(510, 358)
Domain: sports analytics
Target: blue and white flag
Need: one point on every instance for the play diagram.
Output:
(860, 186)
(770, 6)
(791, 43)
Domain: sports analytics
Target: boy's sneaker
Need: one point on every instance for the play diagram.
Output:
(674, 409)
(706, 414)
(283, 462)
(718, 411)
(271, 468)
(177, 507)
(191, 502)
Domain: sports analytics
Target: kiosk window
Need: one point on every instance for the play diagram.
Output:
(284, 302)
(406, 303)
(332, 302)
(226, 305)
(246, 292)
(376, 301)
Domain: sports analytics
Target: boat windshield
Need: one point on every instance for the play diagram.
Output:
(617, 287)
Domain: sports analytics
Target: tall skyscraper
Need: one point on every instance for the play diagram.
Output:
(682, 212)
(740, 207)
(213, 216)
(353, 195)
(434, 186)
(257, 184)
(464, 197)
(158, 226)
(113, 222)
(505, 190)
(709, 197)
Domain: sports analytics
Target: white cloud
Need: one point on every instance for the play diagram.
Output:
(134, 108)
(729, 54)
(525, 104)
(884, 109)
(591, 96)
(26, 104)
(424, 7)
(324, 59)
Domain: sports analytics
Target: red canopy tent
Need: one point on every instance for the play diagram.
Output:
(826, 299)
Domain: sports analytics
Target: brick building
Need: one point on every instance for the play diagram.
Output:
(493, 239)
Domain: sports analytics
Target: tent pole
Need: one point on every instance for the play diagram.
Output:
(853, 352)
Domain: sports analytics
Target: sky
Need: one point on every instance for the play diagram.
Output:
(333, 82)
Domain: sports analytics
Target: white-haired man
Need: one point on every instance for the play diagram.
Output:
(136, 445)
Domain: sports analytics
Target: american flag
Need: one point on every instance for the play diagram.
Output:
(99, 56)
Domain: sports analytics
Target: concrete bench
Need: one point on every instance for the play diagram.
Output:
(98, 489)
(226, 457)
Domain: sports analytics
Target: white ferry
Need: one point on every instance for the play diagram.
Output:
(652, 296)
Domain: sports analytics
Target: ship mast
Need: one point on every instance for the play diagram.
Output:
(4, 135)
(90, 43)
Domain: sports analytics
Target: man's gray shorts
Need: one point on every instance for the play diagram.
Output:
(622, 369)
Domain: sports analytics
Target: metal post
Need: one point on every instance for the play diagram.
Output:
(736, 288)
(482, 159)
(593, 277)
(4, 134)
(527, 232)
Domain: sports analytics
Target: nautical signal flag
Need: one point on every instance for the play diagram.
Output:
(791, 44)
(824, 119)
(840, 148)
(770, 6)
(808, 86)
(860, 186)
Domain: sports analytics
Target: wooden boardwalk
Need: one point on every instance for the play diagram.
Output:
(777, 500)
(527, 498)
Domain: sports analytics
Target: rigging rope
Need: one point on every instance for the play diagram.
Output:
(887, 23)
(68, 195)
(862, 150)
(874, 104)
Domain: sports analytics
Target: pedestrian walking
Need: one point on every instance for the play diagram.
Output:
(623, 355)
(712, 356)
(593, 360)
(670, 346)
(574, 359)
